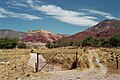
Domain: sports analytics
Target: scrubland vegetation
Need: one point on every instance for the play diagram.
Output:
(114, 41)
(10, 43)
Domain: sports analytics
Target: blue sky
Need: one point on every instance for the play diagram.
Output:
(57, 16)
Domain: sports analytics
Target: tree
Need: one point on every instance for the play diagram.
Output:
(63, 43)
(99, 42)
(49, 45)
(115, 40)
(22, 45)
(89, 41)
(8, 43)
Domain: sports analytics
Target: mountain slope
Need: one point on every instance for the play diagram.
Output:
(104, 29)
(106, 24)
(41, 36)
(107, 33)
(11, 33)
(82, 35)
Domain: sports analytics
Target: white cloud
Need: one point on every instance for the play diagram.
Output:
(2, 16)
(67, 16)
(24, 16)
(2, 10)
(101, 13)
(85, 17)
(20, 5)
(17, 15)
(80, 21)
(56, 11)
(17, 3)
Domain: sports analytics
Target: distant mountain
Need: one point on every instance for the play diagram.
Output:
(104, 29)
(11, 33)
(43, 36)
(106, 24)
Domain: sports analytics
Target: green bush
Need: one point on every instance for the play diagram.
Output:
(115, 40)
(89, 41)
(49, 45)
(21, 45)
(63, 43)
(99, 42)
(8, 43)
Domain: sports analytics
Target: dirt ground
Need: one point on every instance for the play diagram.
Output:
(13, 62)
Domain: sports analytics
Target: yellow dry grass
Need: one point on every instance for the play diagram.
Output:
(18, 60)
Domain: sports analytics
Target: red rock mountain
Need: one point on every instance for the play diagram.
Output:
(82, 35)
(41, 36)
(104, 29)
(104, 25)
(107, 33)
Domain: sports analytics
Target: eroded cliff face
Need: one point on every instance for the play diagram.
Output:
(43, 36)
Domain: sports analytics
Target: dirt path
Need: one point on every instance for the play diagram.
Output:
(93, 55)
(79, 75)
(89, 74)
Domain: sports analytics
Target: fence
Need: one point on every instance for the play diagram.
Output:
(46, 66)
(40, 64)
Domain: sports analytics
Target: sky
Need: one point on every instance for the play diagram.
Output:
(57, 16)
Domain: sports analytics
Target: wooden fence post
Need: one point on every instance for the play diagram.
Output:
(37, 64)
(76, 59)
(117, 62)
(77, 56)
(75, 63)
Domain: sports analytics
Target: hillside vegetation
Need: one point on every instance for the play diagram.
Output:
(114, 41)
(10, 43)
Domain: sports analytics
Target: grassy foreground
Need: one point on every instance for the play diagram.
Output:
(13, 62)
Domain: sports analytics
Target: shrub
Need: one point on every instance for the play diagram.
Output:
(88, 41)
(99, 42)
(115, 40)
(49, 45)
(63, 43)
(8, 43)
(21, 45)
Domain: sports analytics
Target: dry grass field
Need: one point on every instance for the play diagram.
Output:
(13, 62)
